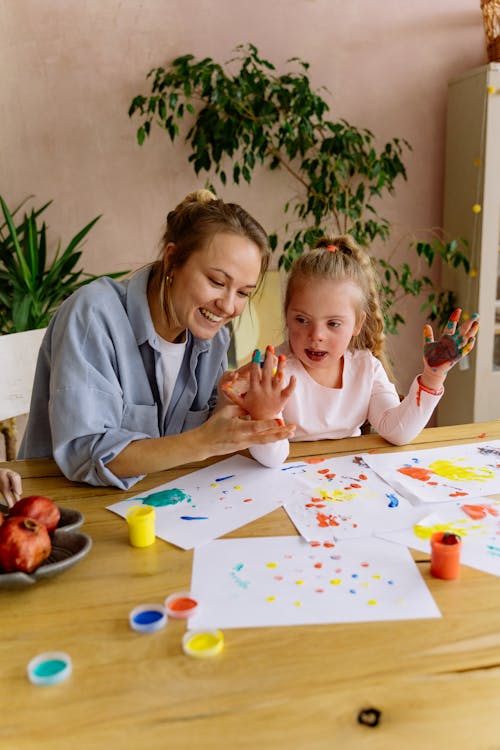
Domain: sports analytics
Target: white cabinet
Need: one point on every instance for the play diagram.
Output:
(472, 178)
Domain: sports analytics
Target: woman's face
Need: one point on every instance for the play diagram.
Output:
(214, 284)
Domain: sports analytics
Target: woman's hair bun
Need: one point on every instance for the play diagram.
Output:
(200, 196)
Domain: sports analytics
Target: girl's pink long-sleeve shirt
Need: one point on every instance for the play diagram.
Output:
(323, 413)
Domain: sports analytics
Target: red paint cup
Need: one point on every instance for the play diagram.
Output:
(445, 557)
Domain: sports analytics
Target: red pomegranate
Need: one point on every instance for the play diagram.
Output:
(24, 544)
(42, 509)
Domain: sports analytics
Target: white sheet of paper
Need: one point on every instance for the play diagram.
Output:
(198, 507)
(267, 581)
(438, 474)
(480, 534)
(342, 498)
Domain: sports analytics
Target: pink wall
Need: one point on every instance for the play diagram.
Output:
(70, 70)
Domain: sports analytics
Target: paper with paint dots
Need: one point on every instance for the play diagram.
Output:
(439, 474)
(267, 581)
(342, 498)
(198, 507)
(477, 522)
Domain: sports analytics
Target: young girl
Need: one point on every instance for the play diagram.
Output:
(335, 355)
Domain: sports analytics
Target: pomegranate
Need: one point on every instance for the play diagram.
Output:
(24, 544)
(42, 509)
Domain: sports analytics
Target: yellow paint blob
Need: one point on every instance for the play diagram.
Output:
(270, 598)
(476, 208)
(377, 576)
(371, 602)
(213, 484)
(336, 581)
(299, 583)
(449, 470)
(454, 527)
(271, 565)
(336, 496)
(237, 487)
(298, 604)
(472, 274)
(203, 642)
(491, 89)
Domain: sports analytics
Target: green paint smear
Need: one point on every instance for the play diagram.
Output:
(50, 668)
(166, 497)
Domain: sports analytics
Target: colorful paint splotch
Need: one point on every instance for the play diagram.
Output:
(466, 471)
(208, 503)
(260, 582)
(479, 531)
(342, 498)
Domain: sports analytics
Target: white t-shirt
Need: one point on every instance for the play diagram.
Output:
(322, 413)
(171, 360)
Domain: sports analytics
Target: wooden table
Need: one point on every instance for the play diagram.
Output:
(300, 688)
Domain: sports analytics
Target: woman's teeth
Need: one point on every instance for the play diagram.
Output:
(210, 316)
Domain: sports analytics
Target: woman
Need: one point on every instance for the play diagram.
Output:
(126, 380)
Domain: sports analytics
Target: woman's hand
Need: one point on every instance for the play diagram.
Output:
(262, 395)
(230, 429)
(452, 346)
(10, 486)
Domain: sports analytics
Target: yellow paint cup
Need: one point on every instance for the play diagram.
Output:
(141, 525)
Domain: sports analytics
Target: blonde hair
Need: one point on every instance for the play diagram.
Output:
(191, 226)
(340, 258)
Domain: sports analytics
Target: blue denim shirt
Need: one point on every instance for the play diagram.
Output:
(99, 378)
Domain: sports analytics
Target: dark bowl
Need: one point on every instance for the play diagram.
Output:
(69, 521)
(68, 547)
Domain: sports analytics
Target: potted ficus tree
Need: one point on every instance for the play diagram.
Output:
(243, 113)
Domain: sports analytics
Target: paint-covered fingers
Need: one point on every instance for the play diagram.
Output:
(452, 323)
(427, 334)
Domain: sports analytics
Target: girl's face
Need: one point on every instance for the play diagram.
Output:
(322, 317)
(214, 285)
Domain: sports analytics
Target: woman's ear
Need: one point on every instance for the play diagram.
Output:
(168, 252)
(359, 325)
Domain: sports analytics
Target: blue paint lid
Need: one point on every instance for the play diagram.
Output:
(49, 668)
(147, 618)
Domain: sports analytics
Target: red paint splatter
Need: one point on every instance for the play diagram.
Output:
(278, 578)
(319, 591)
(416, 472)
(356, 486)
(248, 500)
(323, 471)
(363, 476)
(479, 511)
(324, 521)
(458, 494)
(482, 435)
(313, 460)
(328, 544)
(318, 565)
(315, 544)
(330, 476)
(432, 484)
(364, 564)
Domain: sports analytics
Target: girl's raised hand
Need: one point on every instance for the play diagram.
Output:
(265, 396)
(453, 345)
